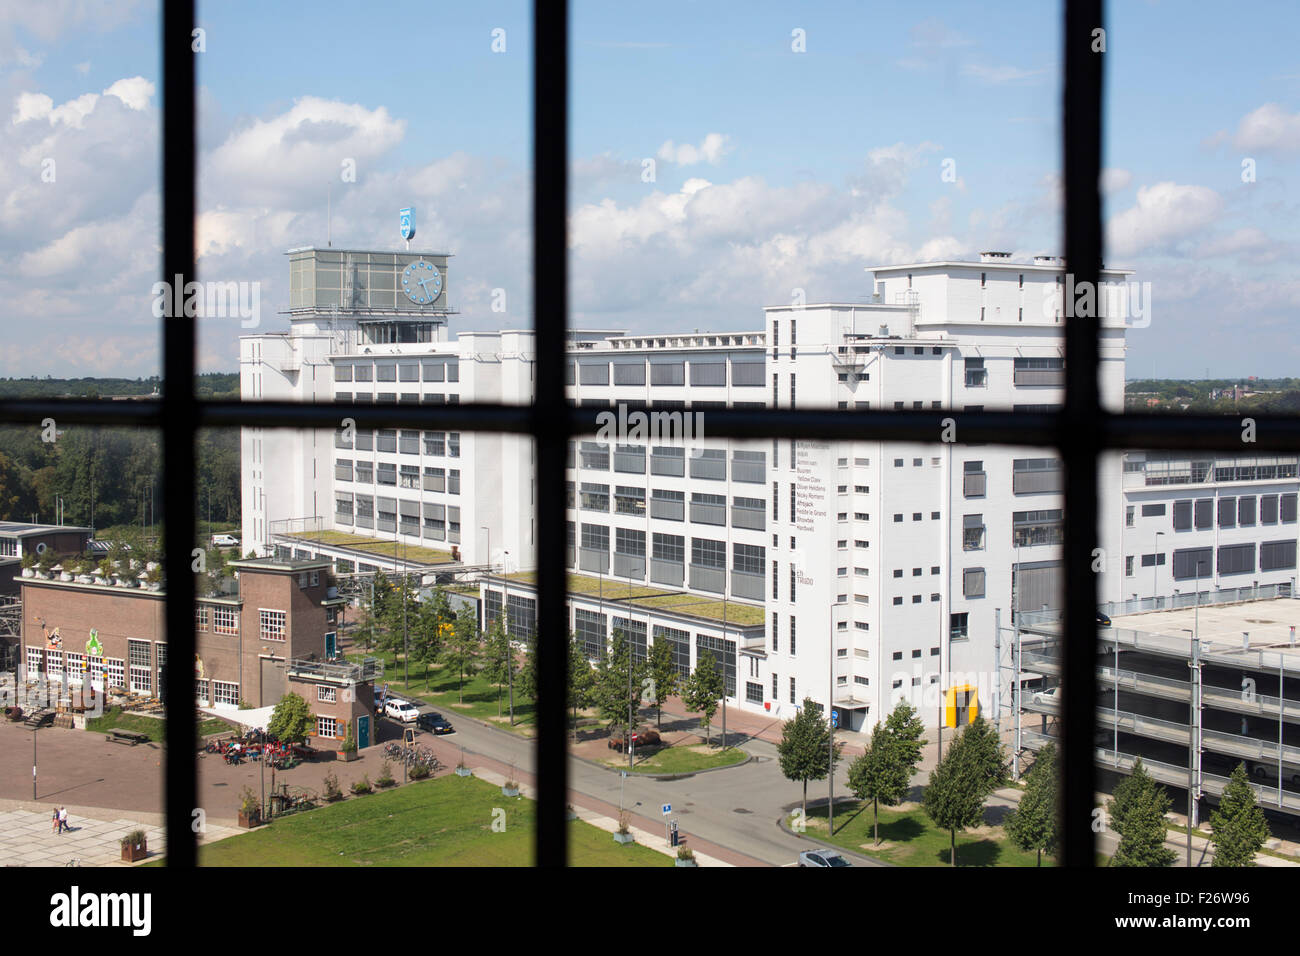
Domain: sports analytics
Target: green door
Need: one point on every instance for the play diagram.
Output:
(331, 645)
(363, 732)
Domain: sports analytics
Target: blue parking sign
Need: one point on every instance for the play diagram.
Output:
(666, 809)
(406, 222)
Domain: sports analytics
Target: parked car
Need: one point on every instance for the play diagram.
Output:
(434, 723)
(822, 858)
(1266, 772)
(402, 710)
(644, 738)
(1102, 620)
(225, 541)
(1052, 696)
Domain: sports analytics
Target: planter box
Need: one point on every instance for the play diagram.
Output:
(464, 772)
(132, 854)
(509, 791)
(347, 756)
(624, 838)
(249, 820)
(681, 862)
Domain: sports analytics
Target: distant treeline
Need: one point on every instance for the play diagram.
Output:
(209, 385)
(1276, 395)
(108, 476)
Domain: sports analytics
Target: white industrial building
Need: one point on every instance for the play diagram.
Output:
(764, 552)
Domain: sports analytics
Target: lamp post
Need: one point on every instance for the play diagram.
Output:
(1155, 567)
(630, 664)
(830, 718)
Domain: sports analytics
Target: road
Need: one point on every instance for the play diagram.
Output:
(737, 808)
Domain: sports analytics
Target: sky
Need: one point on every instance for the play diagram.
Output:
(723, 155)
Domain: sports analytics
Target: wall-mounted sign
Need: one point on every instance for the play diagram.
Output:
(53, 640)
(93, 647)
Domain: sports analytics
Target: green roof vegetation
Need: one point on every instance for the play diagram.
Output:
(612, 589)
(414, 553)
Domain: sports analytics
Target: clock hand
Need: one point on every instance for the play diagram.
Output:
(424, 284)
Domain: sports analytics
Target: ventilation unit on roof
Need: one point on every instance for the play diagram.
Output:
(994, 256)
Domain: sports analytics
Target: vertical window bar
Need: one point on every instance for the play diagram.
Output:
(179, 415)
(1080, 442)
(550, 418)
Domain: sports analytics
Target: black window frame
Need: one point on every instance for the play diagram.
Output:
(1080, 431)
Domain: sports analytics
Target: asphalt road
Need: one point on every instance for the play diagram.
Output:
(737, 808)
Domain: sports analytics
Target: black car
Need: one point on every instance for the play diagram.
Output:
(1102, 620)
(434, 723)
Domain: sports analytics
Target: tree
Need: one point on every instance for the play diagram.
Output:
(883, 773)
(664, 678)
(1032, 825)
(461, 653)
(434, 623)
(291, 720)
(498, 662)
(1240, 827)
(1137, 814)
(582, 680)
(704, 689)
(618, 686)
(906, 729)
(986, 747)
(958, 787)
(805, 743)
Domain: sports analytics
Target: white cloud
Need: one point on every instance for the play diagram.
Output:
(1114, 180)
(1269, 128)
(711, 150)
(134, 91)
(1165, 214)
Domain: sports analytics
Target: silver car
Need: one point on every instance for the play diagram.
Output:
(822, 858)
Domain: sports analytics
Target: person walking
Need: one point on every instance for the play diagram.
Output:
(63, 819)
(54, 821)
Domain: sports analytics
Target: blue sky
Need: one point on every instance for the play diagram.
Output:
(773, 169)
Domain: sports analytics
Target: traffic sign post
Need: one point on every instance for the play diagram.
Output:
(666, 809)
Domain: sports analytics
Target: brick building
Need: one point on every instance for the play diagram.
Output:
(256, 638)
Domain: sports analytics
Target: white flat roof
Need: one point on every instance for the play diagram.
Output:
(1220, 627)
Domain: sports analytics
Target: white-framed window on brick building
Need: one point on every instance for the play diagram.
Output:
(140, 659)
(35, 662)
(272, 624)
(326, 726)
(328, 695)
(225, 693)
(115, 671)
(76, 667)
(200, 617)
(225, 620)
(201, 693)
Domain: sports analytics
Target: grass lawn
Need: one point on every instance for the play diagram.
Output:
(417, 554)
(152, 727)
(442, 822)
(910, 838)
(682, 759)
(746, 615)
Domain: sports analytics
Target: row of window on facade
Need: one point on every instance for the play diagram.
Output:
(434, 370)
(709, 464)
(224, 619)
(405, 441)
(430, 519)
(1158, 472)
(709, 371)
(1231, 559)
(446, 480)
(1232, 511)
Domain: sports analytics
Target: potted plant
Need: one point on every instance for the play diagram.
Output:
(686, 856)
(127, 575)
(65, 570)
(419, 771)
(135, 846)
(153, 577)
(461, 769)
(385, 778)
(624, 832)
(250, 811)
(348, 752)
(85, 568)
(510, 788)
(45, 564)
(569, 812)
(362, 786)
(104, 573)
(330, 787)
(28, 562)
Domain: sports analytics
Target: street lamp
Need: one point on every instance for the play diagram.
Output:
(1155, 567)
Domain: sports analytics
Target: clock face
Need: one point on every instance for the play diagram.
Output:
(422, 282)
